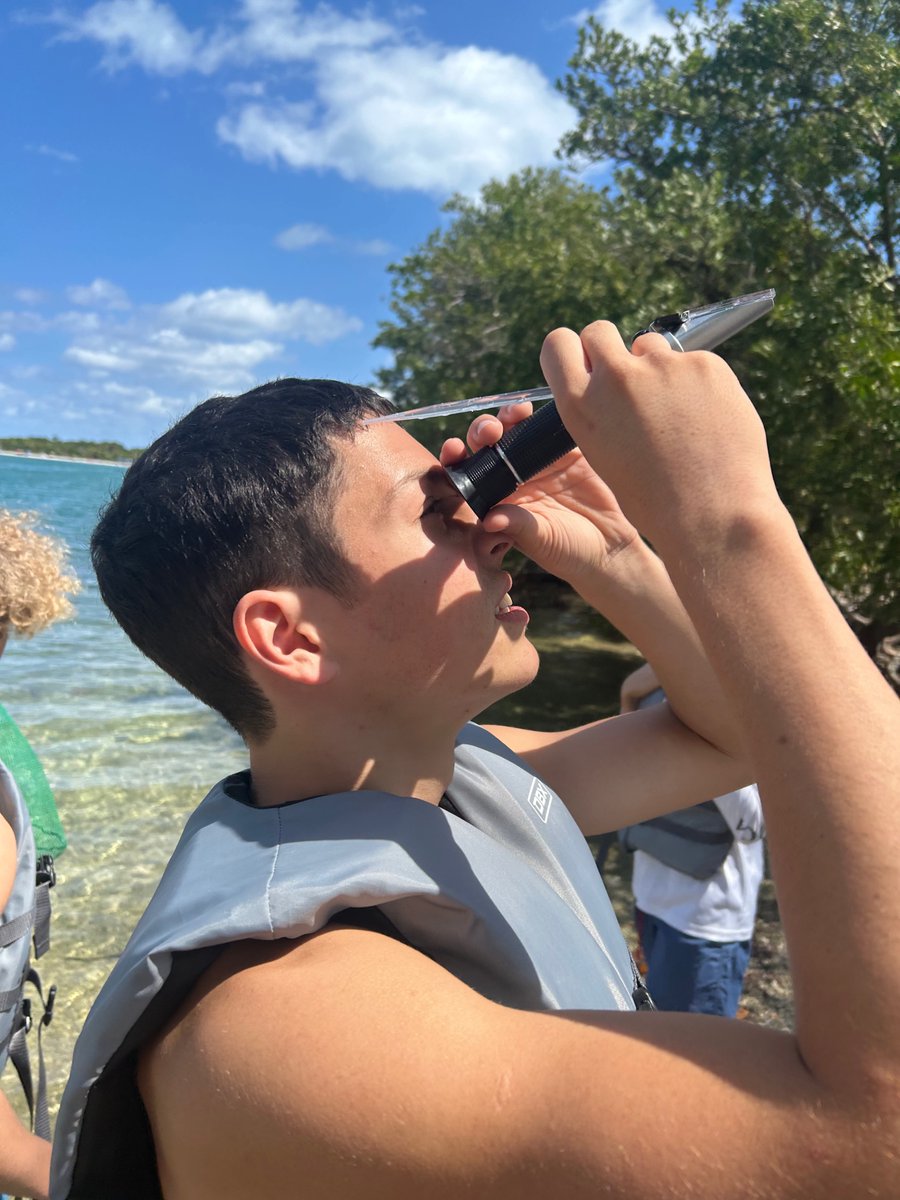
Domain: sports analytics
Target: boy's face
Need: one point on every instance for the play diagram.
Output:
(427, 628)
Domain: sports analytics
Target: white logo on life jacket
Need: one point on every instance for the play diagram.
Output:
(540, 798)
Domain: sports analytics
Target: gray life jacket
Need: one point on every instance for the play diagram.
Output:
(24, 923)
(505, 895)
(695, 840)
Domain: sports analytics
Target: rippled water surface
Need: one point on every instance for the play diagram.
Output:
(127, 752)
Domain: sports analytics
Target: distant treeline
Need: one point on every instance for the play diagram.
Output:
(113, 451)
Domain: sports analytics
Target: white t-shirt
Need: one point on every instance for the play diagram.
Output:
(723, 907)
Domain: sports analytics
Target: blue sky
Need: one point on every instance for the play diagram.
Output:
(201, 196)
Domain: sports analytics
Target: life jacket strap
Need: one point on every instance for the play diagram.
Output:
(45, 879)
(36, 1099)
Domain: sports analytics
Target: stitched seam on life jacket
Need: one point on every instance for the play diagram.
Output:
(272, 875)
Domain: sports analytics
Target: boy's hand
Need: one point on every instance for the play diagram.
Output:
(566, 519)
(673, 434)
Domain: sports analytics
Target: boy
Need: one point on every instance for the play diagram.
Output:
(476, 1037)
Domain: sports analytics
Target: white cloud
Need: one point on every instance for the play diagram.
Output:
(210, 341)
(425, 118)
(377, 247)
(279, 31)
(30, 296)
(173, 353)
(636, 19)
(7, 341)
(136, 31)
(298, 237)
(238, 88)
(77, 322)
(371, 104)
(143, 399)
(101, 293)
(240, 312)
(65, 156)
(150, 35)
(23, 322)
(97, 359)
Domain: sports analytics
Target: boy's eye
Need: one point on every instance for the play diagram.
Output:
(434, 506)
(441, 506)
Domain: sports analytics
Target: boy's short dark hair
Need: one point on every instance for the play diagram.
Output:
(238, 494)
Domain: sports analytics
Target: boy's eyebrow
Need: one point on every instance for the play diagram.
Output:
(427, 479)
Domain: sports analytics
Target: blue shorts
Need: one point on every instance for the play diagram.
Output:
(689, 974)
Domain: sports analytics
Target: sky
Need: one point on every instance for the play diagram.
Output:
(198, 197)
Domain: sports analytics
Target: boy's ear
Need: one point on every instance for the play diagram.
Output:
(274, 628)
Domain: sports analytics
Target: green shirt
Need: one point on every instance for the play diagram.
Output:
(22, 762)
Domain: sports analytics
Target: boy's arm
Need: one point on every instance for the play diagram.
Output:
(821, 726)
(569, 522)
(373, 1074)
(627, 769)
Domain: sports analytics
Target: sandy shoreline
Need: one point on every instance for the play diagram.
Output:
(91, 462)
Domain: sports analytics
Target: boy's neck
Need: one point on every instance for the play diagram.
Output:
(289, 766)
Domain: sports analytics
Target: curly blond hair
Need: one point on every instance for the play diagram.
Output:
(34, 579)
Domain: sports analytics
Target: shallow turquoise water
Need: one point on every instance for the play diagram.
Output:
(127, 752)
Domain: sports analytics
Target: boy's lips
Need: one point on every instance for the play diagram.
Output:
(510, 613)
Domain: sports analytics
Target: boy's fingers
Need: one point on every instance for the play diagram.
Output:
(452, 451)
(602, 342)
(484, 431)
(651, 343)
(488, 428)
(563, 362)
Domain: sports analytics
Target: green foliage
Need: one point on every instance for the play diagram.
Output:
(473, 304)
(795, 108)
(784, 122)
(107, 451)
(747, 153)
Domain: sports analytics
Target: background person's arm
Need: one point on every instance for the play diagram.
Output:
(8, 861)
(24, 1158)
(636, 686)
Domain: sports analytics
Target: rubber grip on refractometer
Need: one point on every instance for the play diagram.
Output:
(496, 471)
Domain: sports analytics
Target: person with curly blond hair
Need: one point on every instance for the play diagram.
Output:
(35, 585)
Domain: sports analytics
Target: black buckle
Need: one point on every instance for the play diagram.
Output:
(45, 871)
(26, 1015)
(48, 1007)
(670, 323)
(643, 1001)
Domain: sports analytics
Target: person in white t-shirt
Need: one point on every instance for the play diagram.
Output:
(696, 932)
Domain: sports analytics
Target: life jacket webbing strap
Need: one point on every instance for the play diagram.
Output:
(21, 1060)
(18, 927)
(8, 999)
(42, 918)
